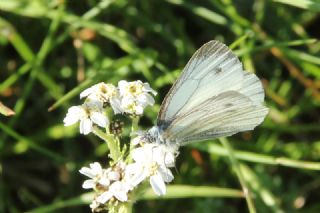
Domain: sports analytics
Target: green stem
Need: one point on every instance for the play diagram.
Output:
(125, 207)
(237, 169)
(134, 128)
(115, 152)
(259, 158)
(134, 125)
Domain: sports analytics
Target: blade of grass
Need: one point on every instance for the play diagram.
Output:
(259, 158)
(16, 40)
(15, 76)
(202, 12)
(57, 158)
(295, 54)
(36, 67)
(235, 165)
(269, 44)
(95, 11)
(77, 201)
(293, 128)
(185, 191)
(237, 42)
(173, 191)
(228, 8)
(304, 4)
(267, 197)
(119, 36)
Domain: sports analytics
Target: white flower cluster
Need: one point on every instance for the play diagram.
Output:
(128, 98)
(145, 162)
(152, 162)
(107, 183)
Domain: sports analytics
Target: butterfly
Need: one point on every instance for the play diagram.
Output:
(213, 97)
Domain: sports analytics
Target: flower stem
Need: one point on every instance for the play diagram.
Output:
(126, 207)
(237, 169)
(114, 147)
(134, 128)
(134, 125)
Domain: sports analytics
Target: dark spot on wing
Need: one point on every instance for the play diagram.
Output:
(227, 105)
(218, 70)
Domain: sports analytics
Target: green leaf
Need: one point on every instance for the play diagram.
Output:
(304, 4)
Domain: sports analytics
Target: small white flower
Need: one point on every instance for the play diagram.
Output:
(89, 113)
(95, 205)
(96, 175)
(117, 189)
(105, 93)
(137, 91)
(151, 161)
(137, 140)
(130, 106)
(113, 175)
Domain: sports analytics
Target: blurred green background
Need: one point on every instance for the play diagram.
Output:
(50, 50)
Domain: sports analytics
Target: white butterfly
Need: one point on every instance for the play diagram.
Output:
(213, 97)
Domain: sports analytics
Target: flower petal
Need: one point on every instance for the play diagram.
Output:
(145, 99)
(87, 172)
(114, 175)
(121, 195)
(157, 184)
(116, 105)
(99, 118)
(73, 115)
(147, 88)
(169, 159)
(86, 92)
(140, 154)
(149, 99)
(94, 205)
(85, 126)
(104, 181)
(166, 174)
(135, 174)
(88, 184)
(139, 110)
(96, 168)
(121, 85)
(135, 141)
(104, 197)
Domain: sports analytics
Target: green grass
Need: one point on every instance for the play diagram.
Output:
(50, 50)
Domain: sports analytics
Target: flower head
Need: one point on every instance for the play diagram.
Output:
(131, 106)
(96, 206)
(152, 161)
(96, 174)
(108, 183)
(135, 96)
(89, 113)
(105, 93)
(117, 189)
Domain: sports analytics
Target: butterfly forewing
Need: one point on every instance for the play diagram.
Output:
(205, 75)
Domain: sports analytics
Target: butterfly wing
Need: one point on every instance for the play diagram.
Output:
(222, 115)
(192, 109)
